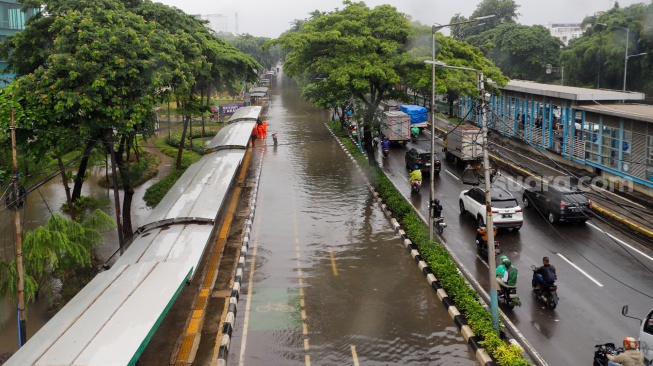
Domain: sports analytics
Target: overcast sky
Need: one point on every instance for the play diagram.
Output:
(268, 18)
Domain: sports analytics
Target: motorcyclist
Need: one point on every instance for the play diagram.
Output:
(437, 208)
(415, 175)
(506, 273)
(630, 357)
(414, 132)
(546, 274)
(385, 143)
(481, 234)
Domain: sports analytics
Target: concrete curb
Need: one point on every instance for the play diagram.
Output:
(459, 320)
(228, 325)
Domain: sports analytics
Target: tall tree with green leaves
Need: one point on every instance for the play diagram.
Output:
(54, 250)
(520, 51)
(451, 82)
(357, 49)
(503, 11)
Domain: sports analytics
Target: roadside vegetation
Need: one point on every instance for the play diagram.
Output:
(438, 258)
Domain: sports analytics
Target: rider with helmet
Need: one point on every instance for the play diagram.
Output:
(630, 357)
(506, 273)
(481, 234)
(414, 132)
(385, 143)
(416, 174)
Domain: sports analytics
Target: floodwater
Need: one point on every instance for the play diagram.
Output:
(327, 280)
(40, 205)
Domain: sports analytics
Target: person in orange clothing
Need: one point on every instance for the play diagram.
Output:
(264, 129)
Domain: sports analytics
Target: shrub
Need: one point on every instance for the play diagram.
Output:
(158, 190)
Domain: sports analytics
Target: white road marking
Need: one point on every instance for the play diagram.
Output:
(248, 304)
(622, 242)
(514, 181)
(580, 270)
(451, 174)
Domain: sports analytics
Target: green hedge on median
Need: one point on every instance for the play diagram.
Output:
(437, 257)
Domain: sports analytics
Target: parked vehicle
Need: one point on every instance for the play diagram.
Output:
(645, 334)
(506, 212)
(395, 125)
(548, 294)
(419, 115)
(421, 158)
(558, 203)
(463, 144)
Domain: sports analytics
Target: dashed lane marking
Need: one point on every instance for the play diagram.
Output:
(451, 174)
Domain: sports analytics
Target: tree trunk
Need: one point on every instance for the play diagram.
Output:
(190, 134)
(108, 145)
(66, 187)
(202, 100)
(123, 166)
(79, 179)
(181, 143)
(369, 147)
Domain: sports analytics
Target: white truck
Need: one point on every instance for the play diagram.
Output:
(395, 125)
(464, 144)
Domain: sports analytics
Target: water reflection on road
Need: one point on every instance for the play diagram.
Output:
(332, 283)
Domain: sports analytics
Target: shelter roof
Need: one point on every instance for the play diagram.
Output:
(570, 92)
(639, 112)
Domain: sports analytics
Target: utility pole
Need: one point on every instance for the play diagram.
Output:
(17, 204)
(494, 286)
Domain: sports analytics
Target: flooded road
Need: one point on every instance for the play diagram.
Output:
(328, 282)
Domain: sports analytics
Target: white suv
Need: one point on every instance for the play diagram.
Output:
(506, 212)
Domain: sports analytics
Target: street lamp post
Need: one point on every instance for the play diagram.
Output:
(494, 286)
(434, 29)
(626, 56)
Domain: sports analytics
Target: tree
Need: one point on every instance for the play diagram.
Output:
(357, 49)
(504, 11)
(448, 81)
(54, 250)
(520, 51)
(597, 58)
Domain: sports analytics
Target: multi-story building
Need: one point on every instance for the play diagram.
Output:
(12, 20)
(565, 31)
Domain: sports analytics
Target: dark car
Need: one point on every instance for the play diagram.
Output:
(422, 159)
(559, 203)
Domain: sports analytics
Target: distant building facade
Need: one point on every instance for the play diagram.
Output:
(565, 31)
(12, 20)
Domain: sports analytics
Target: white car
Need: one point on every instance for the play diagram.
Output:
(506, 212)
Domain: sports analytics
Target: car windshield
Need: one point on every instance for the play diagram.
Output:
(575, 198)
(427, 156)
(505, 203)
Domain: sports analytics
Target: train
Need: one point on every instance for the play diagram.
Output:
(111, 320)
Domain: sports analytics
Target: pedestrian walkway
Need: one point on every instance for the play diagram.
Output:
(619, 204)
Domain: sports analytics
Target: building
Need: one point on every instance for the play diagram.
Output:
(565, 31)
(12, 20)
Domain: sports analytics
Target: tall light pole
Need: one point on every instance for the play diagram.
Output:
(626, 56)
(434, 29)
(494, 286)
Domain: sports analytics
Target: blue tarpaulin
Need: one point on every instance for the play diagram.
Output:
(417, 113)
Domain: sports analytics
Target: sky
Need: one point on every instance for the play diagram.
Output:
(265, 18)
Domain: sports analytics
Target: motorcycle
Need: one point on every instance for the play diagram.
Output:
(601, 352)
(481, 247)
(413, 137)
(274, 138)
(416, 185)
(508, 295)
(386, 151)
(439, 224)
(548, 294)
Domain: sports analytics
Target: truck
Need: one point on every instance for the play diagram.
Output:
(464, 144)
(419, 115)
(395, 125)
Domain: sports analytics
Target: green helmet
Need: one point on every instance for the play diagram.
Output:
(505, 261)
